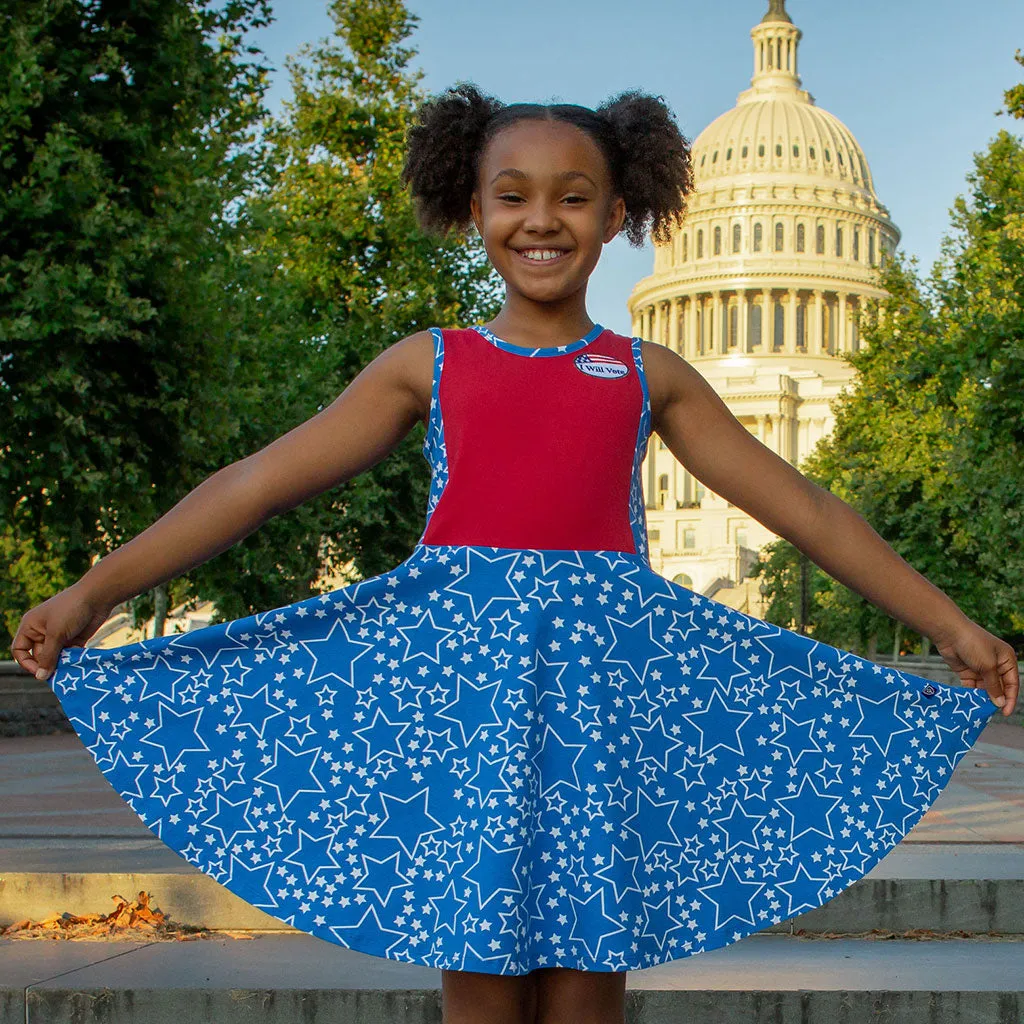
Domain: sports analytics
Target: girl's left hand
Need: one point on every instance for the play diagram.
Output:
(982, 660)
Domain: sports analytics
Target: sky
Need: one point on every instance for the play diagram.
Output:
(918, 82)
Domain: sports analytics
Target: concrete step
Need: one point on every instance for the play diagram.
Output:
(762, 979)
(937, 887)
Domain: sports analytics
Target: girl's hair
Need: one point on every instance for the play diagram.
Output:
(648, 157)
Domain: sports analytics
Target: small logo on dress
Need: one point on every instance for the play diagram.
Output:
(928, 690)
(601, 366)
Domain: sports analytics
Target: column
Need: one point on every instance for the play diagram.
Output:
(659, 323)
(673, 324)
(717, 341)
(637, 327)
(691, 328)
(767, 320)
(791, 322)
(744, 328)
(841, 332)
(762, 428)
(817, 333)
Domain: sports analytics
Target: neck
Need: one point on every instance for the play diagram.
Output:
(549, 323)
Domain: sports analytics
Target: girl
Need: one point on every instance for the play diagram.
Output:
(522, 756)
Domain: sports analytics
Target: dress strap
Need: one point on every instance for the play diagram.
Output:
(433, 443)
(637, 508)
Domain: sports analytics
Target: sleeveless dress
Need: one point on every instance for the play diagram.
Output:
(521, 747)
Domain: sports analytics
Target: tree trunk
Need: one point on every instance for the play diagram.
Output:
(159, 609)
(872, 646)
(926, 646)
(896, 642)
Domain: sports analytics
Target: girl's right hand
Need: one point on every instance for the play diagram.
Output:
(67, 619)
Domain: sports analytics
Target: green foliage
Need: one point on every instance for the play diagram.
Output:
(32, 568)
(122, 132)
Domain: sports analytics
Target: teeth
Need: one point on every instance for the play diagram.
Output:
(541, 254)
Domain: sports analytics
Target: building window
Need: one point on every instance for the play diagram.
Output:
(714, 157)
(820, 239)
(755, 325)
(735, 238)
(800, 237)
(734, 316)
(796, 150)
(743, 152)
(871, 247)
(662, 490)
(760, 149)
(828, 156)
(700, 243)
(654, 536)
(839, 241)
(718, 241)
(741, 538)
(801, 327)
(778, 237)
(757, 237)
(780, 327)
(856, 243)
(728, 153)
(778, 149)
(810, 149)
(689, 539)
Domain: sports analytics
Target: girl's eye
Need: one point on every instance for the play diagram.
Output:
(510, 197)
(575, 199)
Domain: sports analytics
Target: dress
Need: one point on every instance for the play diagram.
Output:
(521, 747)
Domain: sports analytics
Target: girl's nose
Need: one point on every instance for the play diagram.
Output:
(541, 218)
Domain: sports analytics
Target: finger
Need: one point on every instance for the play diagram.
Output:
(47, 659)
(992, 681)
(1010, 675)
(22, 648)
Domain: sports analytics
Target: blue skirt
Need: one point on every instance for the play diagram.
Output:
(498, 759)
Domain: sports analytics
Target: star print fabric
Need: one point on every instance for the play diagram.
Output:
(496, 759)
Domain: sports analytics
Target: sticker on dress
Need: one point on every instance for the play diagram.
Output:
(601, 366)
(928, 690)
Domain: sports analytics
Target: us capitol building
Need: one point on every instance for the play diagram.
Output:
(759, 290)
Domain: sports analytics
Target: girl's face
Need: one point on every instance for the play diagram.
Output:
(544, 207)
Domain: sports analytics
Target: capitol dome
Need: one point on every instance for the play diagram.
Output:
(783, 135)
(762, 287)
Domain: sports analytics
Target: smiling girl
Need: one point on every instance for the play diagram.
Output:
(522, 756)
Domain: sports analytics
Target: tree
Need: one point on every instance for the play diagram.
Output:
(124, 136)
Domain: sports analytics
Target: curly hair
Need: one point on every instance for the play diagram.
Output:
(648, 157)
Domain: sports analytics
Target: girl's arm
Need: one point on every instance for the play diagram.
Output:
(718, 450)
(358, 429)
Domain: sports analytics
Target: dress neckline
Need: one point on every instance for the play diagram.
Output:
(549, 350)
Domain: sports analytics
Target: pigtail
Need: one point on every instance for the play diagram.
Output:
(442, 152)
(655, 171)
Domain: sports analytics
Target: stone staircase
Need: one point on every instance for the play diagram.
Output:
(934, 933)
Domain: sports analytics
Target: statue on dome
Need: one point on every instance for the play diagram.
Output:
(777, 11)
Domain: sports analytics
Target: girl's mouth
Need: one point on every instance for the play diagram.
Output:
(542, 256)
